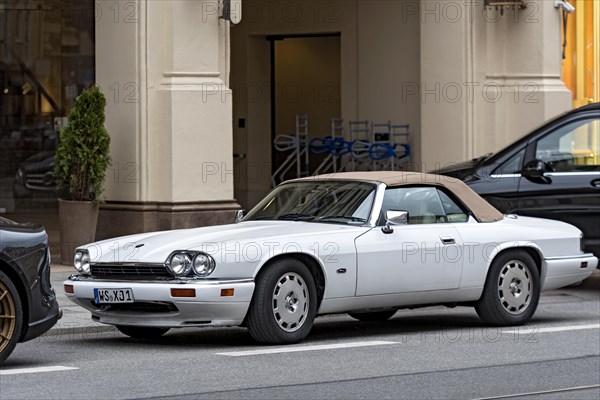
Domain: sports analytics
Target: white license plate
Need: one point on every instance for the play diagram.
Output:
(113, 296)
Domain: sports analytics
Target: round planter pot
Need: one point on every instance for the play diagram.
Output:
(77, 226)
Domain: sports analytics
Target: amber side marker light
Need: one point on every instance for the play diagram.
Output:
(68, 288)
(227, 292)
(183, 292)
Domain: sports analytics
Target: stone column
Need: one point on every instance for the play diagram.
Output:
(164, 66)
(507, 66)
(445, 69)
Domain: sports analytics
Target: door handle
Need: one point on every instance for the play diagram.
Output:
(447, 240)
(596, 183)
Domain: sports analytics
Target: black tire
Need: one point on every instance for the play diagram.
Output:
(11, 317)
(373, 316)
(142, 332)
(284, 303)
(512, 290)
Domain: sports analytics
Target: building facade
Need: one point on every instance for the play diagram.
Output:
(194, 102)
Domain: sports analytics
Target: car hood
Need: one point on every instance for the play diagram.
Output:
(461, 170)
(12, 226)
(155, 247)
(549, 227)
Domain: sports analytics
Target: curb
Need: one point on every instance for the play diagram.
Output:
(58, 331)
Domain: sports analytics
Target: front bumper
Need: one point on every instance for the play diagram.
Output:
(564, 271)
(44, 310)
(207, 308)
(41, 326)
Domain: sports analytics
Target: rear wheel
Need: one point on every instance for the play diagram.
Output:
(142, 332)
(11, 317)
(373, 316)
(284, 303)
(512, 290)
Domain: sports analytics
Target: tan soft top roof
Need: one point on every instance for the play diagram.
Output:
(481, 209)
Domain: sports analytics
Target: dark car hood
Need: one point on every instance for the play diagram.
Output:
(461, 170)
(464, 170)
(40, 162)
(10, 225)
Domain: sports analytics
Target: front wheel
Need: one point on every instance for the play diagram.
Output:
(142, 332)
(11, 317)
(512, 290)
(284, 304)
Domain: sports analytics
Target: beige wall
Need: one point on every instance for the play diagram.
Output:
(171, 127)
(250, 82)
(529, 74)
(117, 67)
(379, 51)
(173, 141)
(467, 79)
(508, 68)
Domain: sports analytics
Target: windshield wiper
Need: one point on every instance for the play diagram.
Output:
(346, 217)
(296, 217)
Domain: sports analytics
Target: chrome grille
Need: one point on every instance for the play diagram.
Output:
(40, 181)
(129, 271)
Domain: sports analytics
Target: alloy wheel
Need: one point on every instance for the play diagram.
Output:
(290, 302)
(7, 317)
(515, 287)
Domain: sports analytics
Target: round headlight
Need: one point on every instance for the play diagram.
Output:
(180, 264)
(203, 265)
(77, 260)
(85, 263)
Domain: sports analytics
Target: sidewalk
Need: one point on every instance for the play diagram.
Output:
(75, 319)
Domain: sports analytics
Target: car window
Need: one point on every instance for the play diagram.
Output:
(511, 166)
(454, 212)
(574, 147)
(422, 203)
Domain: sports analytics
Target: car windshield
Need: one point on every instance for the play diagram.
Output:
(327, 202)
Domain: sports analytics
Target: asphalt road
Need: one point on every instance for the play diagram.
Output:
(434, 353)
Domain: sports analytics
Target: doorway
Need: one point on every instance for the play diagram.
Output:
(305, 80)
(274, 78)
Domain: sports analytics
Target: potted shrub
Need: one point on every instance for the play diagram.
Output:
(82, 158)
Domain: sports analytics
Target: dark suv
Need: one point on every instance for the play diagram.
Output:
(554, 172)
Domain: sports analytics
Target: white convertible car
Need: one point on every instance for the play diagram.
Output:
(366, 244)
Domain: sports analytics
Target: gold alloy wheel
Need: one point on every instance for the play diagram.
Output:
(7, 317)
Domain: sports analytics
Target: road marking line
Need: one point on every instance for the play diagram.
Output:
(553, 329)
(540, 392)
(34, 370)
(292, 349)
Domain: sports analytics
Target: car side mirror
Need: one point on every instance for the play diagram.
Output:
(534, 169)
(239, 215)
(393, 217)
